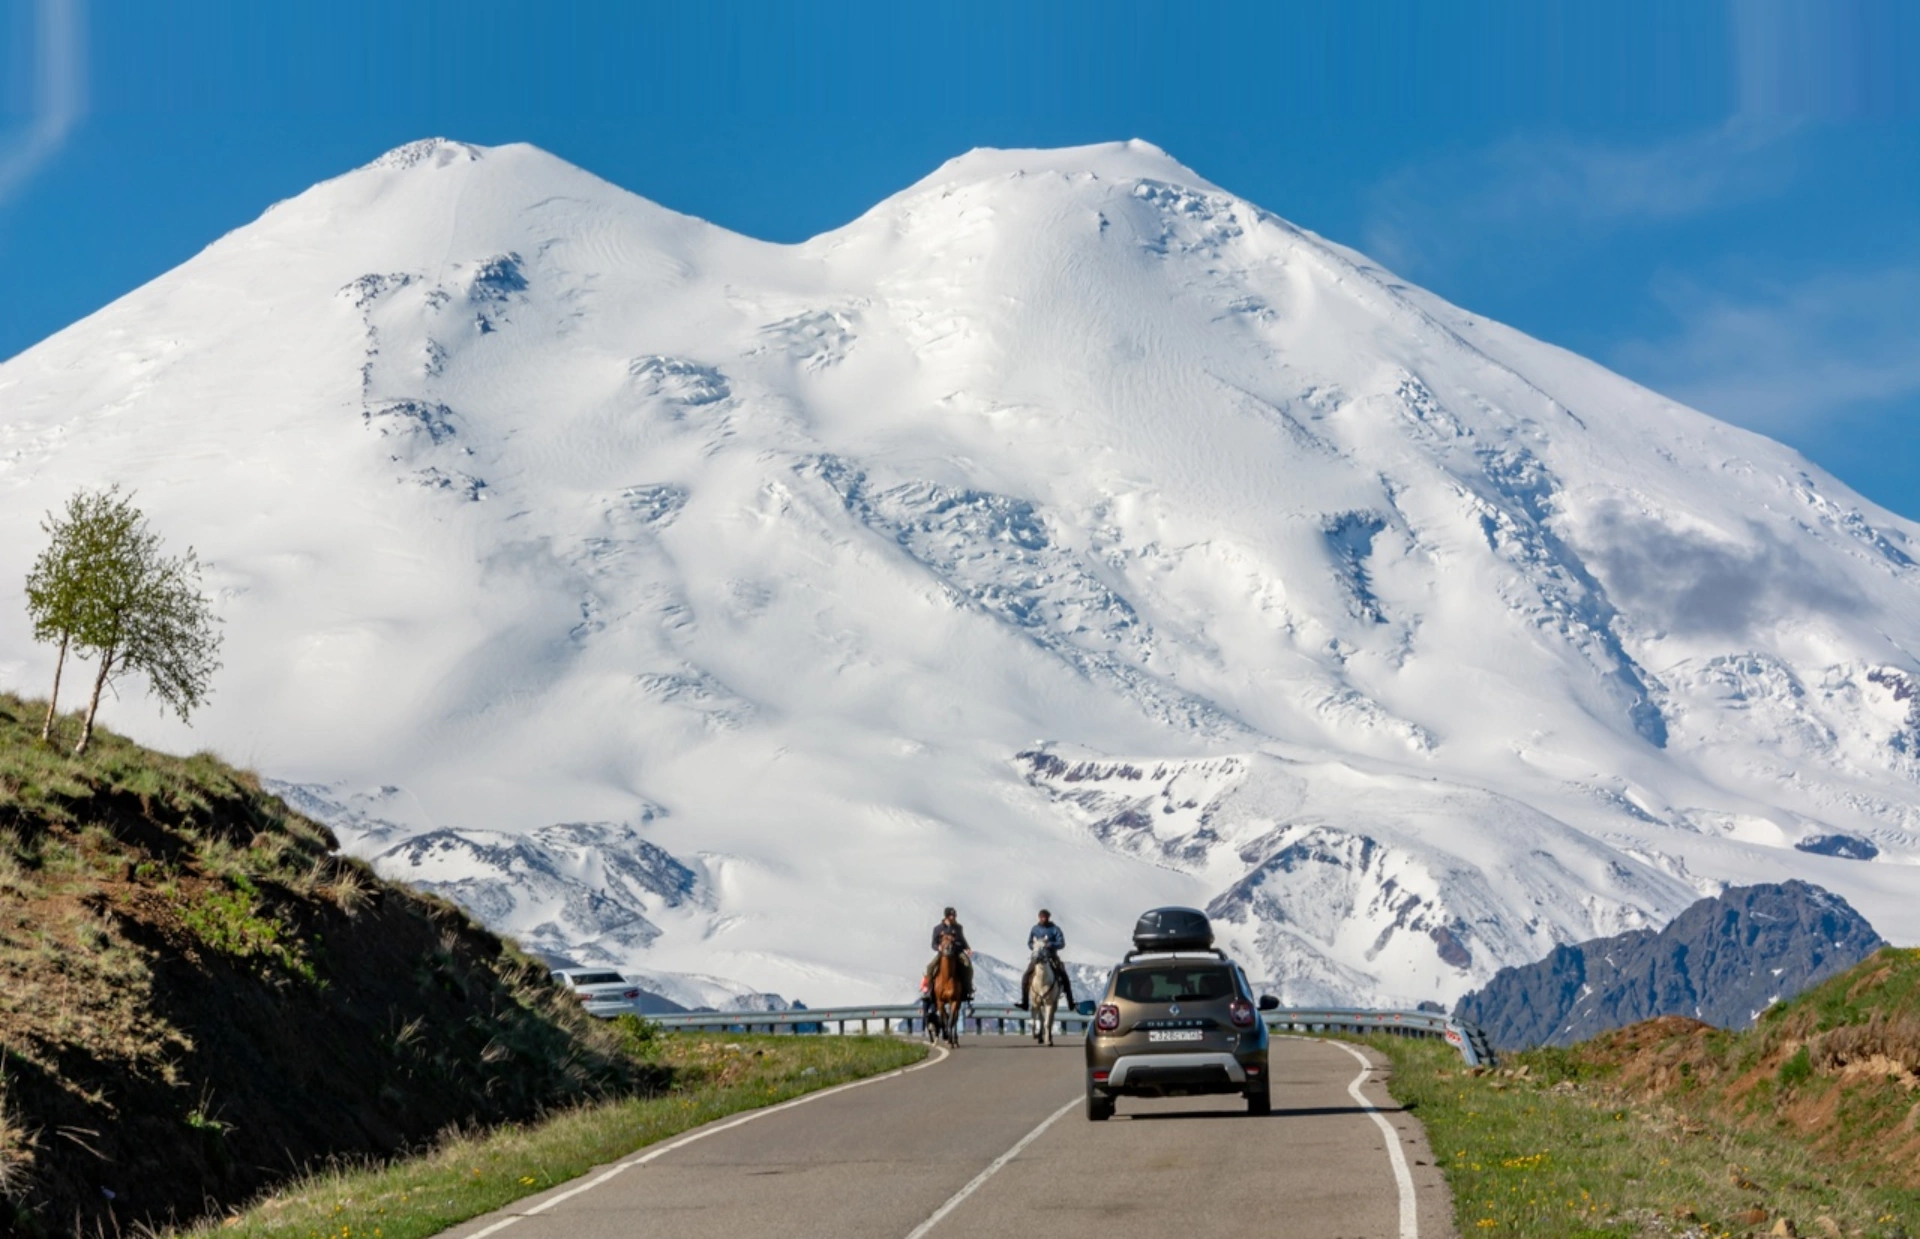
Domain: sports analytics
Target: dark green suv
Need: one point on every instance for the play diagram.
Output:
(1178, 1019)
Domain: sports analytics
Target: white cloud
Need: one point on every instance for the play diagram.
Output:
(1785, 356)
(1423, 213)
(1680, 177)
(59, 98)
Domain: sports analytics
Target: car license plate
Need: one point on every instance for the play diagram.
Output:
(1175, 1034)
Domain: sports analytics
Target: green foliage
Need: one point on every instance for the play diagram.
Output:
(200, 1118)
(1798, 1069)
(231, 922)
(639, 1037)
(52, 601)
(170, 635)
(103, 587)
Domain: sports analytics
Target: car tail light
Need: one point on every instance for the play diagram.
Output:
(632, 995)
(1241, 1012)
(1108, 1018)
(1100, 1077)
(1253, 1069)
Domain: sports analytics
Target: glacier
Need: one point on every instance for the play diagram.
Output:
(1065, 530)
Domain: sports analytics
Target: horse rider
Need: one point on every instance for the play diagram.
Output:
(949, 927)
(1049, 937)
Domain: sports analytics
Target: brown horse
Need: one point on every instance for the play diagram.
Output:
(945, 1024)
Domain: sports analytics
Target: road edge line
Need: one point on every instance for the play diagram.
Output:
(953, 1201)
(1402, 1177)
(702, 1133)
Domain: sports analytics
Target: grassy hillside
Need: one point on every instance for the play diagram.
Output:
(198, 998)
(1836, 1070)
(1806, 1124)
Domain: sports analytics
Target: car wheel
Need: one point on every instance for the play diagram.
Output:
(1260, 1101)
(1099, 1107)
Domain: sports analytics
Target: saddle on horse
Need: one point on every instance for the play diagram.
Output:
(950, 938)
(1060, 973)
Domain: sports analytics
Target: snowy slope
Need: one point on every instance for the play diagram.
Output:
(1063, 530)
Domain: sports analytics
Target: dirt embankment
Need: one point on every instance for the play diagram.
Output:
(198, 997)
(1839, 1067)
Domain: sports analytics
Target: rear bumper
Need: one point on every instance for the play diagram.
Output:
(1199, 1072)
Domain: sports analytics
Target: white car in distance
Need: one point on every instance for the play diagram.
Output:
(601, 992)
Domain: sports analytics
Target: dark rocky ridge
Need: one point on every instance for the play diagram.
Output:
(1846, 847)
(1723, 960)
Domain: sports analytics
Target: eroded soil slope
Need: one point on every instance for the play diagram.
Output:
(199, 997)
(1837, 1068)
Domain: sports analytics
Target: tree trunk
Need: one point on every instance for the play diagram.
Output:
(99, 682)
(59, 665)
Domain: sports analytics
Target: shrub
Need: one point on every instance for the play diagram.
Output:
(231, 922)
(639, 1036)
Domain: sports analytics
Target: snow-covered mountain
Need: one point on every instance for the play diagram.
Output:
(1064, 530)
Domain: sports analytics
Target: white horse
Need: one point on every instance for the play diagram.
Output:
(1043, 996)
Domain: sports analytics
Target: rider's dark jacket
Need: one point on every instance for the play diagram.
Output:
(1050, 936)
(958, 934)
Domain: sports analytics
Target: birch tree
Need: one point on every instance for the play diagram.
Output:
(56, 597)
(104, 589)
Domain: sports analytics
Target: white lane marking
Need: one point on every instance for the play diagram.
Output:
(701, 1134)
(954, 1200)
(1409, 1216)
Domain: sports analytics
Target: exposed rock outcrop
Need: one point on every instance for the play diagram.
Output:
(1723, 960)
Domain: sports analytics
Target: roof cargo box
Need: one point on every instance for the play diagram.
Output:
(1173, 929)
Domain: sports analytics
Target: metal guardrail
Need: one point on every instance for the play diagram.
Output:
(1472, 1043)
(1008, 1019)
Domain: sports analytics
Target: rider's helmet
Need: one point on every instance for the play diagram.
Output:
(949, 912)
(1044, 914)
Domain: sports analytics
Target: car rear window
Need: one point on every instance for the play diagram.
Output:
(1175, 982)
(597, 978)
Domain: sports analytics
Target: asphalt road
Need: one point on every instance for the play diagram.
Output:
(993, 1140)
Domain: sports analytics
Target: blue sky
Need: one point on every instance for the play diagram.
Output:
(1721, 200)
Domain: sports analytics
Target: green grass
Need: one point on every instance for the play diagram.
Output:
(467, 1175)
(140, 892)
(46, 779)
(232, 922)
(45, 788)
(1546, 1147)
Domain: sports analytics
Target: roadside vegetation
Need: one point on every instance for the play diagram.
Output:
(1807, 1124)
(199, 997)
(467, 1174)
